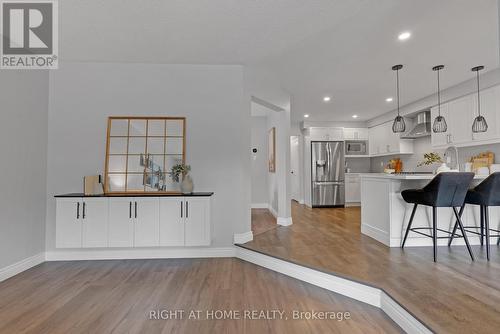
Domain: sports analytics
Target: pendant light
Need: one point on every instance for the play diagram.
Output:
(479, 124)
(399, 122)
(439, 123)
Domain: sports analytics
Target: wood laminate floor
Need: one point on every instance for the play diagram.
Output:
(117, 297)
(262, 221)
(453, 295)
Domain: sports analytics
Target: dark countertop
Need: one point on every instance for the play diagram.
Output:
(194, 194)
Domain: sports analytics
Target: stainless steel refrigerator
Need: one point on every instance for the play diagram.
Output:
(328, 174)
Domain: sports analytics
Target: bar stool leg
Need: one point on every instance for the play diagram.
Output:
(487, 230)
(459, 221)
(434, 231)
(481, 237)
(456, 226)
(409, 225)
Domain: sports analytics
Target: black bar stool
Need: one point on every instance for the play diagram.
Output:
(444, 190)
(486, 194)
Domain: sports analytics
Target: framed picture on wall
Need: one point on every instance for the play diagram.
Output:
(272, 150)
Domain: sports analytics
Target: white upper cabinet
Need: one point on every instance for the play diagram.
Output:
(382, 141)
(355, 133)
(460, 114)
(326, 134)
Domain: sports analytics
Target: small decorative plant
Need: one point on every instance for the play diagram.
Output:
(430, 158)
(178, 170)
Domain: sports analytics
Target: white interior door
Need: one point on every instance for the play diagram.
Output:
(295, 167)
(172, 213)
(121, 223)
(68, 223)
(147, 222)
(95, 222)
(197, 227)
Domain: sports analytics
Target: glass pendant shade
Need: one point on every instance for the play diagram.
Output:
(439, 125)
(439, 122)
(399, 124)
(480, 124)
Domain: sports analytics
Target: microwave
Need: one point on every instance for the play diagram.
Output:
(356, 147)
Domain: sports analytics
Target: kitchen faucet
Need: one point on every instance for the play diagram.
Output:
(447, 153)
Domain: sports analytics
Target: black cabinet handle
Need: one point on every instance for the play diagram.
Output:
(135, 209)
(83, 212)
(181, 209)
(77, 210)
(130, 209)
(187, 209)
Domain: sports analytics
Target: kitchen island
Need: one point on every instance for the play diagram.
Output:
(385, 215)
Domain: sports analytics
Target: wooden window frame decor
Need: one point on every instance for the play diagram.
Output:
(142, 152)
(271, 151)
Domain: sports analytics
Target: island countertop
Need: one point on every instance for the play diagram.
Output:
(422, 176)
(151, 194)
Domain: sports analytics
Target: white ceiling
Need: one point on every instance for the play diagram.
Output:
(342, 48)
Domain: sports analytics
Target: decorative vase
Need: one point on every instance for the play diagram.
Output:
(187, 184)
(443, 168)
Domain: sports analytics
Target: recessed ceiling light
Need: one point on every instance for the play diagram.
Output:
(327, 99)
(389, 99)
(306, 115)
(404, 36)
(354, 116)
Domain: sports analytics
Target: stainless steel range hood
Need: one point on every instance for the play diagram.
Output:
(422, 128)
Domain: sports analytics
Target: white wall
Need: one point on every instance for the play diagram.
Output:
(260, 194)
(23, 148)
(83, 95)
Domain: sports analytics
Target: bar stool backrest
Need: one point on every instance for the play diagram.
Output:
(489, 190)
(449, 189)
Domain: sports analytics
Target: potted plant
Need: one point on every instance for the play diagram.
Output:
(434, 158)
(187, 182)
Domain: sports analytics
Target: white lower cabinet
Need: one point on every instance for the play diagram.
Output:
(94, 223)
(81, 222)
(132, 221)
(68, 223)
(121, 222)
(197, 228)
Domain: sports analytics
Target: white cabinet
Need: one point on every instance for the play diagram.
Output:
(121, 222)
(146, 222)
(172, 221)
(326, 134)
(68, 227)
(197, 230)
(94, 222)
(382, 141)
(355, 133)
(185, 222)
(352, 188)
(460, 114)
(149, 221)
(81, 222)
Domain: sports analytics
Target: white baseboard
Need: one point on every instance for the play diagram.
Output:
(375, 233)
(284, 221)
(147, 253)
(361, 292)
(401, 316)
(260, 206)
(242, 238)
(333, 283)
(21, 266)
(273, 212)
(352, 204)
